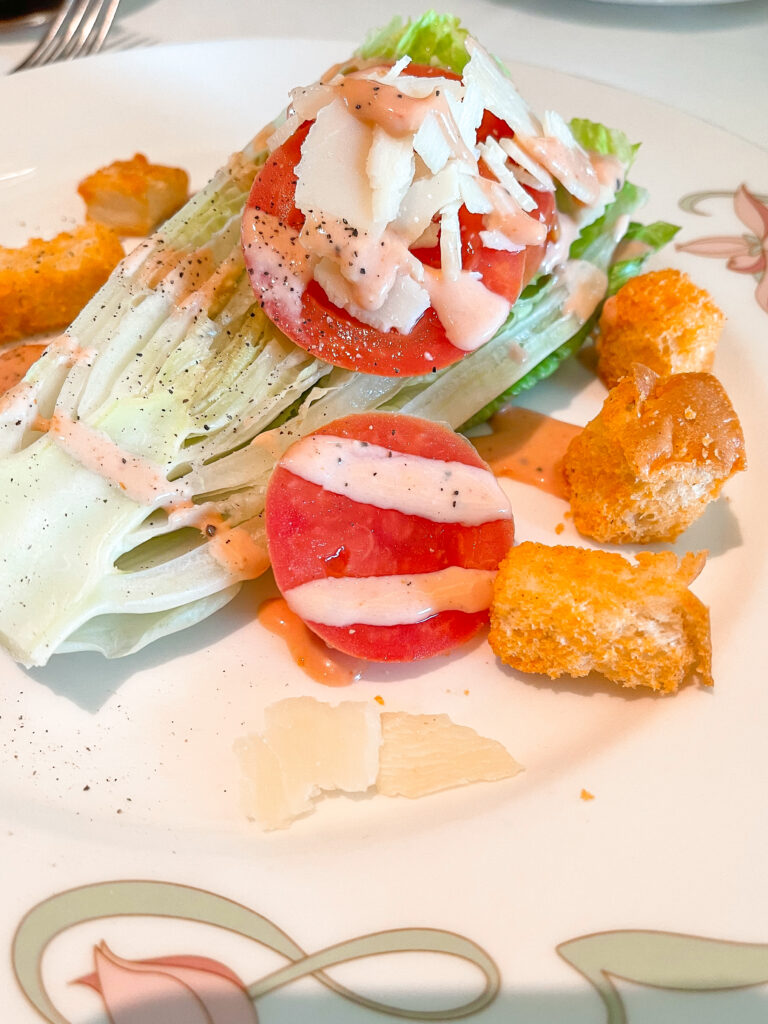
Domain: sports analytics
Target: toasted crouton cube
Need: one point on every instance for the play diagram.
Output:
(662, 320)
(653, 458)
(45, 284)
(134, 196)
(571, 611)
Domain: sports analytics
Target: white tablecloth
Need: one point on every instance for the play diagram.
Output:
(710, 60)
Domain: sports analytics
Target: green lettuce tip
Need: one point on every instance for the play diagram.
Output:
(436, 39)
(598, 138)
(650, 238)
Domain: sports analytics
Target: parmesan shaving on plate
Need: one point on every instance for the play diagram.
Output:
(423, 754)
(309, 748)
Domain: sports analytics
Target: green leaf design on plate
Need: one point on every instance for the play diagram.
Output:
(665, 960)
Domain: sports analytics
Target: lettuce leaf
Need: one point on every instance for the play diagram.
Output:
(431, 39)
(607, 141)
(651, 238)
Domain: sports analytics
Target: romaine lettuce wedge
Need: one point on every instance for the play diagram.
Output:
(174, 369)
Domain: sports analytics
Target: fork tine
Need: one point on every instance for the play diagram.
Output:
(81, 26)
(87, 28)
(96, 39)
(49, 42)
(81, 30)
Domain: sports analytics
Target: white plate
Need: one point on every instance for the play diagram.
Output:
(123, 771)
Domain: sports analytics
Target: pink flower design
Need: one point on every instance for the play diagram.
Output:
(169, 990)
(747, 253)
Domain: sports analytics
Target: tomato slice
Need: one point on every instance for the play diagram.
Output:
(315, 534)
(332, 334)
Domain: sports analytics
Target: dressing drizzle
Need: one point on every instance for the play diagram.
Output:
(307, 650)
(528, 446)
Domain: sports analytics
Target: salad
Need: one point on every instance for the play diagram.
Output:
(432, 255)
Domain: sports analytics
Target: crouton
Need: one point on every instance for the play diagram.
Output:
(15, 362)
(45, 284)
(570, 611)
(662, 320)
(653, 458)
(134, 196)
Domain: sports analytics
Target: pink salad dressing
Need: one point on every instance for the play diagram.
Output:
(528, 446)
(470, 313)
(368, 264)
(140, 480)
(282, 258)
(235, 549)
(307, 650)
(387, 107)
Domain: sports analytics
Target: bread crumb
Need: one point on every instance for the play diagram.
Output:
(379, 700)
(45, 283)
(569, 611)
(134, 196)
(662, 320)
(559, 528)
(586, 795)
(657, 453)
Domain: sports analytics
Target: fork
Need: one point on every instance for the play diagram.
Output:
(79, 28)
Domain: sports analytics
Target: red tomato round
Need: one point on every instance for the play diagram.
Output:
(332, 334)
(314, 533)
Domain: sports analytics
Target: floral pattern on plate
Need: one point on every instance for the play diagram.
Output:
(746, 253)
(201, 990)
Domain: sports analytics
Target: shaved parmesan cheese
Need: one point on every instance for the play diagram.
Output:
(466, 115)
(431, 143)
(498, 240)
(338, 743)
(308, 748)
(556, 128)
(422, 754)
(263, 796)
(395, 70)
(390, 167)
(559, 152)
(496, 161)
(425, 198)
(331, 175)
(403, 308)
(473, 195)
(334, 284)
(305, 105)
(417, 87)
(497, 91)
(450, 242)
(404, 304)
(283, 132)
(507, 216)
(541, 176)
